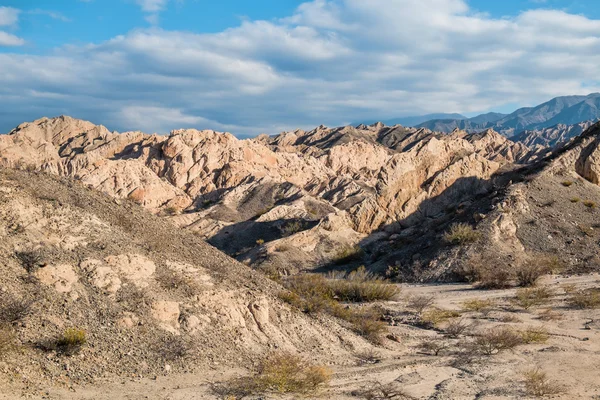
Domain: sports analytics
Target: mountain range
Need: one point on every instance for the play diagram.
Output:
(567, 110)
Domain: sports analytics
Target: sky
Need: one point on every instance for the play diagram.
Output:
(266, 66)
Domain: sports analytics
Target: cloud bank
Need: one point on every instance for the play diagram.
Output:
(331, 62)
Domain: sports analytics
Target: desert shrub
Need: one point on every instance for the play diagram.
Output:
(313, 293)
(172, 210)
(589, 204)
(13, 309)
(292, 227)
(260, 242)
(456, 327)
(175, 348)
(434, 346)
(532, 297)
(567, 183)
(529, 272)
(538, 384)
(347, 254)
(71, 341)
(137, 196)
(575, 199)
(30, 259)
(379, 391)
(585, 299)
(133, 298)
(487, 274)
(361, 286)
(369, 356)
(534, 335)
(436, 316)
(478, 305)
(461, 234)
(289, 373)
(497, 339)
(420, 303)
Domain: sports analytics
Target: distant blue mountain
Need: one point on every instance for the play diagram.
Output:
(414, 120)
(567, 110)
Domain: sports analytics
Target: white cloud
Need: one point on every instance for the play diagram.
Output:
(6, 39)
(9, 16)
(330, 62)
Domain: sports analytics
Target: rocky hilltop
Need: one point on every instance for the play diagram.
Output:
(318, 191)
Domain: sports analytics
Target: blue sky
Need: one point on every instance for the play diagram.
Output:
(270, 65)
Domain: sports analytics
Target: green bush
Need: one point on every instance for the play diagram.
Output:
(72, 340)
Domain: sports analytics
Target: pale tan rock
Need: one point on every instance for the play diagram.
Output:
(167, 313)
(62, 277)
(132, 267)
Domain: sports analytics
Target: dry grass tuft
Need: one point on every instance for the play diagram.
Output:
(279, 373)
(567, 183)
(478, 305)
(436, 316)
(534, 335)
(530, 271)
(575, 200)
(361, 286)
(72, 340)
(314, 293)
(13, 309)
(550, 315)
(538, 384)
(585, 299)
(30, 259)
(460, 234)
(527, 298)
(589, 204)
(176, 281)
(369, 356)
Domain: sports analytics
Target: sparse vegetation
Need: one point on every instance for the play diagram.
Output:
(589, 204)
(487, 274)
(456, 327)
(260, 242)
(585, 299)
(72, 340)
(575, 199)
(538, 384)
(435, 316)
(532, 297)
(279, 373)
(534, 335)
(292, 227)
(420, 303)
(172, 210)
(529, 272)
(361, 286)
(175, 348)
(369, 356)
(461, 233)
(498, 339)
(171, 280)
(347, 254)
(478, 305)
(567, 183)
(379, 391)
(314, 293)
(30, 259)
(434, 346)
(13, 309)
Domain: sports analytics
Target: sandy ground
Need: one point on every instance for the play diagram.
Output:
(570, 357)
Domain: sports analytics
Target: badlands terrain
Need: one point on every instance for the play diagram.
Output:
(171, 267)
